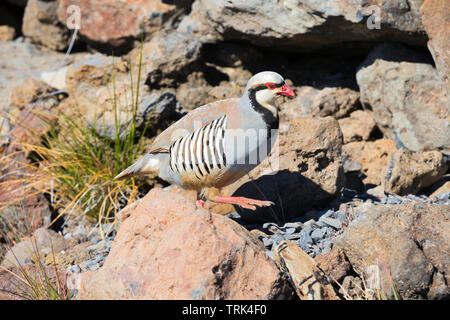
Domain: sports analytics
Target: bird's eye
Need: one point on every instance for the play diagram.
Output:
(271, 85)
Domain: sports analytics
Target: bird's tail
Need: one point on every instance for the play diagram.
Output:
(148, 164)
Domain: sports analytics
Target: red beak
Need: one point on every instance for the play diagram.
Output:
(286, 91)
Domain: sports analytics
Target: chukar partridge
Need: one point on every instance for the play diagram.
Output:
(210, 147)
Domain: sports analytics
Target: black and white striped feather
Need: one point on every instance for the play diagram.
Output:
(202, 151)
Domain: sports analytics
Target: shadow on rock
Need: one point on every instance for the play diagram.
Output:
(278, 189)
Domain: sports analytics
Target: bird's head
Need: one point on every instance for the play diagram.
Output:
(265, 86)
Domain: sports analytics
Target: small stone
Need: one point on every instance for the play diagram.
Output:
(335, 223)
(292, 236)
(393, 200)
(267, 242)
(290, 230)
(318, 234)
(305, 240)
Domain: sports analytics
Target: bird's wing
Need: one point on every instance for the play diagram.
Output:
(194, 120)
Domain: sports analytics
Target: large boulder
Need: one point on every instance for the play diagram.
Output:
(436, 20)
(306, 24)
(169, 249)
(408, 99)
(401, 247)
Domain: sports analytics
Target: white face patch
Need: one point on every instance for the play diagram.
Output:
(266, 98)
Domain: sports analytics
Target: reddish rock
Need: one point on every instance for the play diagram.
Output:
(436, 21)
(169, 249)
(334, 264)
(47, 280)
(114, 22)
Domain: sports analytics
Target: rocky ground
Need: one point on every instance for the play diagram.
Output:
(360, 179)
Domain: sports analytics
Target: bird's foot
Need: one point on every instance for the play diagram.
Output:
(246, 203)
(200, 204)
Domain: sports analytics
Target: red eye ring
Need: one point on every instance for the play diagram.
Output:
(271, 85)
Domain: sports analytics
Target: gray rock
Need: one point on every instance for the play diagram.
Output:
(407, 98)
(318, 234)
(335, 223)
(302, 25)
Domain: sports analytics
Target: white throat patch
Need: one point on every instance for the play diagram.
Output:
(266, 99)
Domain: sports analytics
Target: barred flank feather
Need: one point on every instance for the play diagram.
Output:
(200, 152)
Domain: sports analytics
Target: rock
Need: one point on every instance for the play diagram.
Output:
(7, 33)
(335, 223)
(334, 264)
(312, 102)
(28, 92)
(70, 256)
(55, 79)
(435, 18)
(439, 290)
(304, 172)
(113, 23)
(21, 215)
(406, 243)
(43, 241)
(196, 91)
(440, 187)
(318, 234)
(211, 257)
(47, 278)
(359, 126)
(309, 281)
(373, 157)
(166, 58)
(352, 288)
(408, 99)
(409, 172)
(304, 25)
(90, 86)
(41, 25)
(20, 61)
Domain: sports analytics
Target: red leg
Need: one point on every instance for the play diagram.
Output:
(246, 203)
